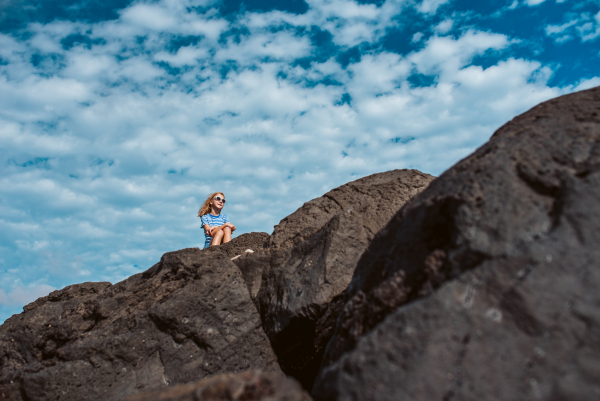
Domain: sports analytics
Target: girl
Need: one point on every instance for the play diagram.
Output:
(217, 228)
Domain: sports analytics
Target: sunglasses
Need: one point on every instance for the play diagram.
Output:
(219, 199)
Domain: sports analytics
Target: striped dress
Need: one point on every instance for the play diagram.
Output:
(212, 221)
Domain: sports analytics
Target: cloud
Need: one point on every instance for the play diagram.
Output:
(444, 27)
(417, 37)
(590, 30)
(585, 26)
(587, 84)
(22, 295)
(447, 54)
(149, 16)
(532, 3)
(430, 6)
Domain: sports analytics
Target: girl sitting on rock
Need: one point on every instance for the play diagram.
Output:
(217, 228)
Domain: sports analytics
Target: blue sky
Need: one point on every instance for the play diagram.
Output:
(117, 118)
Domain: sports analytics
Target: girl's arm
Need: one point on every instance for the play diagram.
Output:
(207, 230)
(213, 230)
(228, 224)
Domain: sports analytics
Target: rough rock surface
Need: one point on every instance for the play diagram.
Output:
(485, 286)
(311, 256)
(376, 198)
(247, 386)
(188, 317)
(254, 241)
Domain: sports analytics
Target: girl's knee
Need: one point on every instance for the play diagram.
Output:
(227, 230)
(216, 240)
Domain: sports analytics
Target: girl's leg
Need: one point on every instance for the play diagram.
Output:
(226, 234)
(217, 238)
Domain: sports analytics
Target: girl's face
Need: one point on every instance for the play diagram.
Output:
(218, 201)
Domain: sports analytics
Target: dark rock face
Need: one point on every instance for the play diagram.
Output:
(247, 386)
(485, 286)
(311, 256)
(188, 317)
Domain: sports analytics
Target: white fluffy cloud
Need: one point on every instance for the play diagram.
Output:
(112, 133)
(430, 6)
(585, 26)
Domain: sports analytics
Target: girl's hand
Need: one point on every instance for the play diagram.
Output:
(213, 230)
(229, 225)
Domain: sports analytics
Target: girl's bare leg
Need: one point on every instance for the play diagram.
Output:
(217, 238)
(226, 234)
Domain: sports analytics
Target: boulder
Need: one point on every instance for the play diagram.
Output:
(240, 244)
(246, 386)
(485, 285)
(310, 258)
(188, 317)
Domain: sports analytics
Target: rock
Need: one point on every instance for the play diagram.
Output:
(246, 386)
(240, 244)
(246, 251)
(485, 286)
(297, 281)
(70, 292)
(188, 317)
(376, 198)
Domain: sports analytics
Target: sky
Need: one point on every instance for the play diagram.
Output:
(118, 118)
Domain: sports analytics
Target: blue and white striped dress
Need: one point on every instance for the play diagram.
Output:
(212, 221)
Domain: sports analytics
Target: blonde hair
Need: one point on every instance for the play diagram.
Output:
(205, 209)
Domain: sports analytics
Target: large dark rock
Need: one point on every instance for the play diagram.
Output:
(485, 286)
(247, 386)
(311, 256)
(188, 317)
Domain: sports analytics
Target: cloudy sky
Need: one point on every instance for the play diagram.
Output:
(117, 118)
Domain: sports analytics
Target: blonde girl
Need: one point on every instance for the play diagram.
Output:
(217, 228)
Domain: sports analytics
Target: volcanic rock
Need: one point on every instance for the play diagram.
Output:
(188, 317)
(251, 241)
(247, 386)
(309, 261)
(485, 286)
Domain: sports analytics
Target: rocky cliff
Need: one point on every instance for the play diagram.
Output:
(480, 284)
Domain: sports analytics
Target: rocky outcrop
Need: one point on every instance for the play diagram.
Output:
(485, 286)
(247, 386)
(188, 317)
(309, 261)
